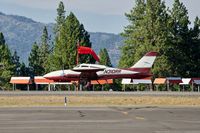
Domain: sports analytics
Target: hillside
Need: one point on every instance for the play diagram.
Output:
(21, 32)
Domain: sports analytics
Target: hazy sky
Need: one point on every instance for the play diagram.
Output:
(96, 15)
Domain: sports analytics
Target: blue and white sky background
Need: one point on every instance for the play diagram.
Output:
(96, 15)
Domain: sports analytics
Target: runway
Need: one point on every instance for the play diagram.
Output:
(146, 119)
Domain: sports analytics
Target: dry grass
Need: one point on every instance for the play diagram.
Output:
(14, 101)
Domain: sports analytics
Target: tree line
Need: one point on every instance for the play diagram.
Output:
(50, 54)
(155, 27)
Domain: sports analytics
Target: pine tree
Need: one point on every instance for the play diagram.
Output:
(44, 51)
(193, 69)
(73, 35)
(2, 39)
(24, 71)
(180, 39)
(17, 64)
(60, 18)
(104, 57)
(60, 53)
(156, 39)
(35, 65)
(6, 66)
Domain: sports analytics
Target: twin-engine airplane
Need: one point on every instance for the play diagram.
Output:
(88, 72)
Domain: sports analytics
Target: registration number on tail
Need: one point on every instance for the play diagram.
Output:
(112, 71)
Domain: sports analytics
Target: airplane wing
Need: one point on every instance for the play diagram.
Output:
(88, 71)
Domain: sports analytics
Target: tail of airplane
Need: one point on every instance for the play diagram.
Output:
(145, 64)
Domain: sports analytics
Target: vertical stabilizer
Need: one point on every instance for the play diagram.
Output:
(145, 64)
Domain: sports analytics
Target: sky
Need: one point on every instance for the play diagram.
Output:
(96, 15)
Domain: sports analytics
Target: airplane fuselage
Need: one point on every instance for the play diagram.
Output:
(93, 72)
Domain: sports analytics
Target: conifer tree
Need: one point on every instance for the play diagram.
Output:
(17, 64)
(179, 39)
(193, 68)
(156, 39)
(104, 57)
(44, 51)
(60, 53)
(60, 18)
(23, 70)
(6, 66)
(73, 35)
(2, 39)
(35, 65)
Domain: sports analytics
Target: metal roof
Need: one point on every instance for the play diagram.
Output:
(20, 80)
(185, 81)
(126, 81)
(136, 81)
(174, 80)
(197, 82)
(160, 81)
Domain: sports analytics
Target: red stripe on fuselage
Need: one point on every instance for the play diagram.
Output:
(119, 76)
(151, 54)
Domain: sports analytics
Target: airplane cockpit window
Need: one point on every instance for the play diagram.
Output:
(83, 66)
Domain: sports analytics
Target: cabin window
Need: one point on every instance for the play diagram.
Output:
(84, 66)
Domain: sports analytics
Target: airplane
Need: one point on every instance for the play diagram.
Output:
(88, 72)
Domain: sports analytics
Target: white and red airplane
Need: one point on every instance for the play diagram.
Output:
(88, 72)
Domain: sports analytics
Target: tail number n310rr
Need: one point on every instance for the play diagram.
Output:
(112, 71)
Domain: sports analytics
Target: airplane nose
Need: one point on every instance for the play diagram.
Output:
(48, 75)
(54, 74)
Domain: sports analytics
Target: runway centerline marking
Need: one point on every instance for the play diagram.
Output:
(125, 113)
(140, 118)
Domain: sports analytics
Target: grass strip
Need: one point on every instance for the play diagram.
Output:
(28, 101)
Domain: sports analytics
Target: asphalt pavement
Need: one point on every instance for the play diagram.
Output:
(146, 119)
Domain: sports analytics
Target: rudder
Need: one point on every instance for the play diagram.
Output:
(145, 64)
